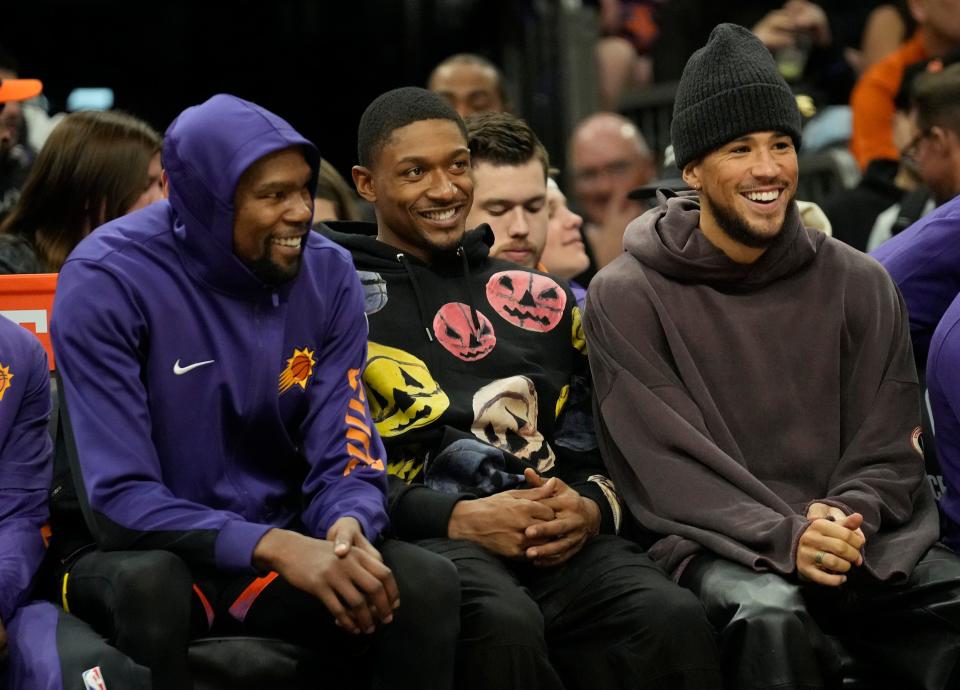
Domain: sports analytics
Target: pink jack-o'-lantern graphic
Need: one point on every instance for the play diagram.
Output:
(505, 416)
(460, 335)
(528, 300)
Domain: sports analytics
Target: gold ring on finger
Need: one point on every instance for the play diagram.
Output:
(818, 559)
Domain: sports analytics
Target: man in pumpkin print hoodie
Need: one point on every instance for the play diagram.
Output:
(759, 406)
(210, 349)
(470, 372)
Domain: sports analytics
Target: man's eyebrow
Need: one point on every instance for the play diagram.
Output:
(271, 184)
(512, 202)
(747, 137)
(277, 185)
(420, 160)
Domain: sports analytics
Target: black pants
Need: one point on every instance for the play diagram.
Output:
(779, 634)
(140, 601)
(608, 618)
(145, 602)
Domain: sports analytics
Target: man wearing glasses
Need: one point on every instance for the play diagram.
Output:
(608, 158)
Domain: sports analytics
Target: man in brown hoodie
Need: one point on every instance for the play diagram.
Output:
(760, 408)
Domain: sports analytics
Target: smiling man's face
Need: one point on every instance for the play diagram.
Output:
(421, 186)
(273, 206)
(746, 187)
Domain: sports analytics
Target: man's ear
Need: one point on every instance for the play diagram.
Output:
(942, 137)
(691, 175)
(363, 181)
(165, 184)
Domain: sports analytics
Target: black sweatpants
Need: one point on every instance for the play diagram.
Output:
(154, 622)
(779, 634)
(608, 618)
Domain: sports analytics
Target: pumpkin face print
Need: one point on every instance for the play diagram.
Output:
(401, 392)
(528, 300)
(455, 329)
(505, 416)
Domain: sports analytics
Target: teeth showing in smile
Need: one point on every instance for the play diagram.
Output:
(286, 241)
(445, 214)
(763, 196)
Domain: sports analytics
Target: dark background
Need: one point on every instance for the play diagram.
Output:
(316, 63)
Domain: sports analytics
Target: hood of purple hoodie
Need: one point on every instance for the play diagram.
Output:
(668, 239)
(206, 150)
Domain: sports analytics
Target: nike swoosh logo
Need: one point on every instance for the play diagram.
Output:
(180, 371)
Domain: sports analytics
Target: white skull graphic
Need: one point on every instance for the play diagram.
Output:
(505, 416)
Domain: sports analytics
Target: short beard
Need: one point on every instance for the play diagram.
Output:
(270, 273)
(739, 231)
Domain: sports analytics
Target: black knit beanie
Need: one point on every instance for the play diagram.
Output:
(729, 88)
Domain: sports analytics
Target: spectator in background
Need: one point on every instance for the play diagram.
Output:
(809, 39)
(564, 253)
(470, 83)
(935, 148)
(95, 166)
(15, 157)
(933, 151)
(628, 31)
(924, 259)
(510, 168)
(872, 100)
(889, 195)
(887, 27)
(334, 199)
(608, 158)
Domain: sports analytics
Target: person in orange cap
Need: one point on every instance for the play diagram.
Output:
(15, 160)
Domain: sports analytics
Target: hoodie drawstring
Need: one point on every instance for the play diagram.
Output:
(466, 276)
(417, 292)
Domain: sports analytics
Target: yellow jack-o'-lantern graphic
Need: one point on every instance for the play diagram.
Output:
(401, 392)
(505, 416)
(579, 339)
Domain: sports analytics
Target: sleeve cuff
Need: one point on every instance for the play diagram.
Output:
(423, 513)
(606, 499)
(235, 543)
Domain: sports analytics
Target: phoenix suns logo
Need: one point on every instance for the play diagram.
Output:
(5, 377)
(299, 369)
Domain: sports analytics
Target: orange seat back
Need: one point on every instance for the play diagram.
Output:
(28, 300)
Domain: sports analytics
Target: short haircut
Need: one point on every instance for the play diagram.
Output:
(395, 109)
(479, 61)
(504, 139)
(936, 98)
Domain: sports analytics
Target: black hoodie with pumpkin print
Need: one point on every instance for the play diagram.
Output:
(476, 368)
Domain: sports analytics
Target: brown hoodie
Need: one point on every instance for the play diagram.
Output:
(732, 396)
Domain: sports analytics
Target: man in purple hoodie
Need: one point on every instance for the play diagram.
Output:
(759, 407)
(41, 646)
(210, 349)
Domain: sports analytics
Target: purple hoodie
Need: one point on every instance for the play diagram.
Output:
(25, 467)
(207, 407)
(924, 262)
